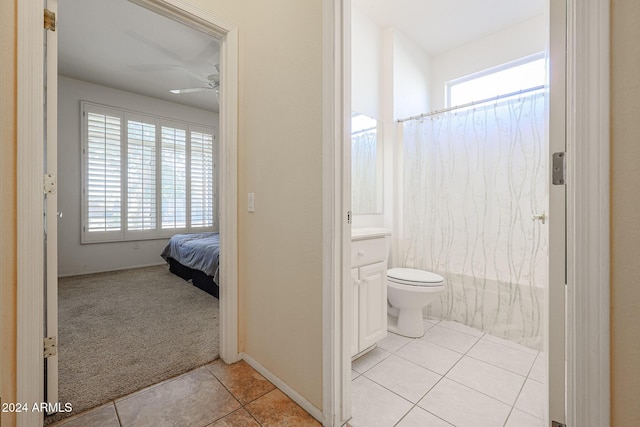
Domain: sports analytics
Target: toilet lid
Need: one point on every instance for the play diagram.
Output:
(413, 277)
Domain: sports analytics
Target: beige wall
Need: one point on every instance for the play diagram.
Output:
(7, 208)
(625, 213)
(280, 152)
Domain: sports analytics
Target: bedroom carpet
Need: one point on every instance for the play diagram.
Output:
(125, 330)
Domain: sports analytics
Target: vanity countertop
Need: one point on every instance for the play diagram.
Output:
(362, 233)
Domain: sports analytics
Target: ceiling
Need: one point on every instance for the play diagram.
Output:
(440, 25)
(121, 45)
(118, 44)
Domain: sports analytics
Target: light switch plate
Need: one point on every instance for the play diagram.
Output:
(251, 202)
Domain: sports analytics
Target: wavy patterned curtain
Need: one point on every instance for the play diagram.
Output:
(472, 180)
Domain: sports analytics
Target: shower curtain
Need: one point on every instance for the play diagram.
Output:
(472, 180)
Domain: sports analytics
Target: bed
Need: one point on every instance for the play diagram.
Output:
(194, 257)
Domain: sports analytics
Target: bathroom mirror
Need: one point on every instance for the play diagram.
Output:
(366, 165)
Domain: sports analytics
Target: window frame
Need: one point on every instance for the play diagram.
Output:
(488, 71)
(124, 234)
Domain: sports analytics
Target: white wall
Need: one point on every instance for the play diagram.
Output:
(390, 79)
(74, 258)
(526, 38)
(366, 65)
(411, 78)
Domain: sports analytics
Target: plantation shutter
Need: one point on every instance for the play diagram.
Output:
(202, 185)
(103, 172)
(174, 177)
(145, 177)
(141, 176)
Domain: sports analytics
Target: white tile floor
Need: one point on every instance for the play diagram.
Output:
(453, 376)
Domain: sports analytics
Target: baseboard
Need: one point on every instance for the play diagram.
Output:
(295, 396)
(111, 269)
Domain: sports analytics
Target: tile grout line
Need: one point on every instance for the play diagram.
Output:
(393, 392)
(242, 405)
(512, 406)
(414, 405)
(465, 354)
(115, 408)
(443, 376)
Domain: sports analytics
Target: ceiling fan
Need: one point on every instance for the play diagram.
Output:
(210, 82)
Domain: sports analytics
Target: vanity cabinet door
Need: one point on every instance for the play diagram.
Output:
(372, 308)
(355, 302)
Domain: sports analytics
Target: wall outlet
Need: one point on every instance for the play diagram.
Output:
(136, 245)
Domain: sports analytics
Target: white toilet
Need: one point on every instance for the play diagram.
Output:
(408, 292)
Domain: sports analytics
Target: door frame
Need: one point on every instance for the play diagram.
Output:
(336, 261)
(30, 155)
(227, 34)
(588, 210)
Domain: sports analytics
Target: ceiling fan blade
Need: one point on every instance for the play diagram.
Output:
(190, 90)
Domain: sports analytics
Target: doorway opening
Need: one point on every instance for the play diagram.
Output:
(401, 71)
(189, 58)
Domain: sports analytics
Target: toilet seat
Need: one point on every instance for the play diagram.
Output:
(413, 277)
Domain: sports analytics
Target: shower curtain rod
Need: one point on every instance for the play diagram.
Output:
(364, 130)
(470, 104)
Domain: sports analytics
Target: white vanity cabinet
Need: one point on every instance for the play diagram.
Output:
(369, 253)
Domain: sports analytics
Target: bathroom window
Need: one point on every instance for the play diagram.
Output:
(525, 73)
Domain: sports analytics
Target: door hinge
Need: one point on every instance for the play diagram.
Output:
(348, 217)
(50, 346)
(558, 166)
(49, 20)
(557, 424)
(50, 183)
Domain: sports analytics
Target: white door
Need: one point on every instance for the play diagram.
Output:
(556, 295)
(51, 208)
